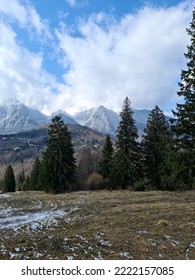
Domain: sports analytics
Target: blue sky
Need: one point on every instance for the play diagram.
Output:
(77, 54)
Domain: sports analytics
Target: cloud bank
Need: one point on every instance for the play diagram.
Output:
(139, 56)
(105, 59)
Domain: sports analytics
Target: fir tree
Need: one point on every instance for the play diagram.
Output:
(9, 180)
(21, 180)
(58, 164)
(34, 178)
(154, 147)
(184, 126)
(107, 157)
(26, 184)
(174, 174)
(125, 168)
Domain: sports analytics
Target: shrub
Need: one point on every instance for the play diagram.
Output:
(139, 187)
(95, 181)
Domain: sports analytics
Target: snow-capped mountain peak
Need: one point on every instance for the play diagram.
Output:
(16, 117)
(106, 120)
(101, 119)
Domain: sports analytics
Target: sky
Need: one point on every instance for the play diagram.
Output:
(73, 55)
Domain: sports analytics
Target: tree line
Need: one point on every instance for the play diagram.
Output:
(164, 160)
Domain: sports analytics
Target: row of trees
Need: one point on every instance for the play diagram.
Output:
(165, 158)
(158, 162)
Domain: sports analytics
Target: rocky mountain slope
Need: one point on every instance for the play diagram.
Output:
(100, 119)
(106, 121)
(16, 117)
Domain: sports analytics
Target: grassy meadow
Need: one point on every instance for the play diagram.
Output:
(103, 224)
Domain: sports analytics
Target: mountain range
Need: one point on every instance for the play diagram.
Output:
(106, 121)
(16, 117)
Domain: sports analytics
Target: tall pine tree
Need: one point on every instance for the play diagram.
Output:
(184, 126)
(154, 147)
(125, 170)
(9, 180)
(58, 164)
(34, 177)
(21, 180)
(105, 164)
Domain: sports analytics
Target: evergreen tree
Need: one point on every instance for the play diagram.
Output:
(21, 180)
(125, 169)
(34, 178)
(58, 164)
(174, 174)
(154, 147)
(26, 184)
(107, 157)
(184, 126)
(9, 180)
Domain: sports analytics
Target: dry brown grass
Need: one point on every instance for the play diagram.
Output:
(102, 224)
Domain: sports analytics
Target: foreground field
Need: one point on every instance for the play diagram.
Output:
(97, 225)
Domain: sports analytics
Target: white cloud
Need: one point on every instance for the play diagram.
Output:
(140, 56)
(25, 15)
(22, 74)
(77, 3)
(71, 2)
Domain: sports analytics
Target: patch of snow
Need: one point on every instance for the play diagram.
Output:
(50, 237)
(6, 211)
(99, 257)
(70, 258)
(173, 242)
(103, 242)
(126, 255)
(75, 209)
(68, 220)
(65, 240)
(143, 231)
(192, 244)
(34, 226)
(17, 250)
(18, 220)
(13, 255)
(37, 255)
(4, 195)
(82, 238)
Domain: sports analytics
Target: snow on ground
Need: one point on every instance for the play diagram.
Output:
(14, 222)
(4, 195)
(34, 217)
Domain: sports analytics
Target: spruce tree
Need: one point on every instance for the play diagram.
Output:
(21, 180)
(105, 164)
(58, 164)
(9, 180)
(26, 184)
(35, 173)
(125, 169)
(154, 147)
(184, 126)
